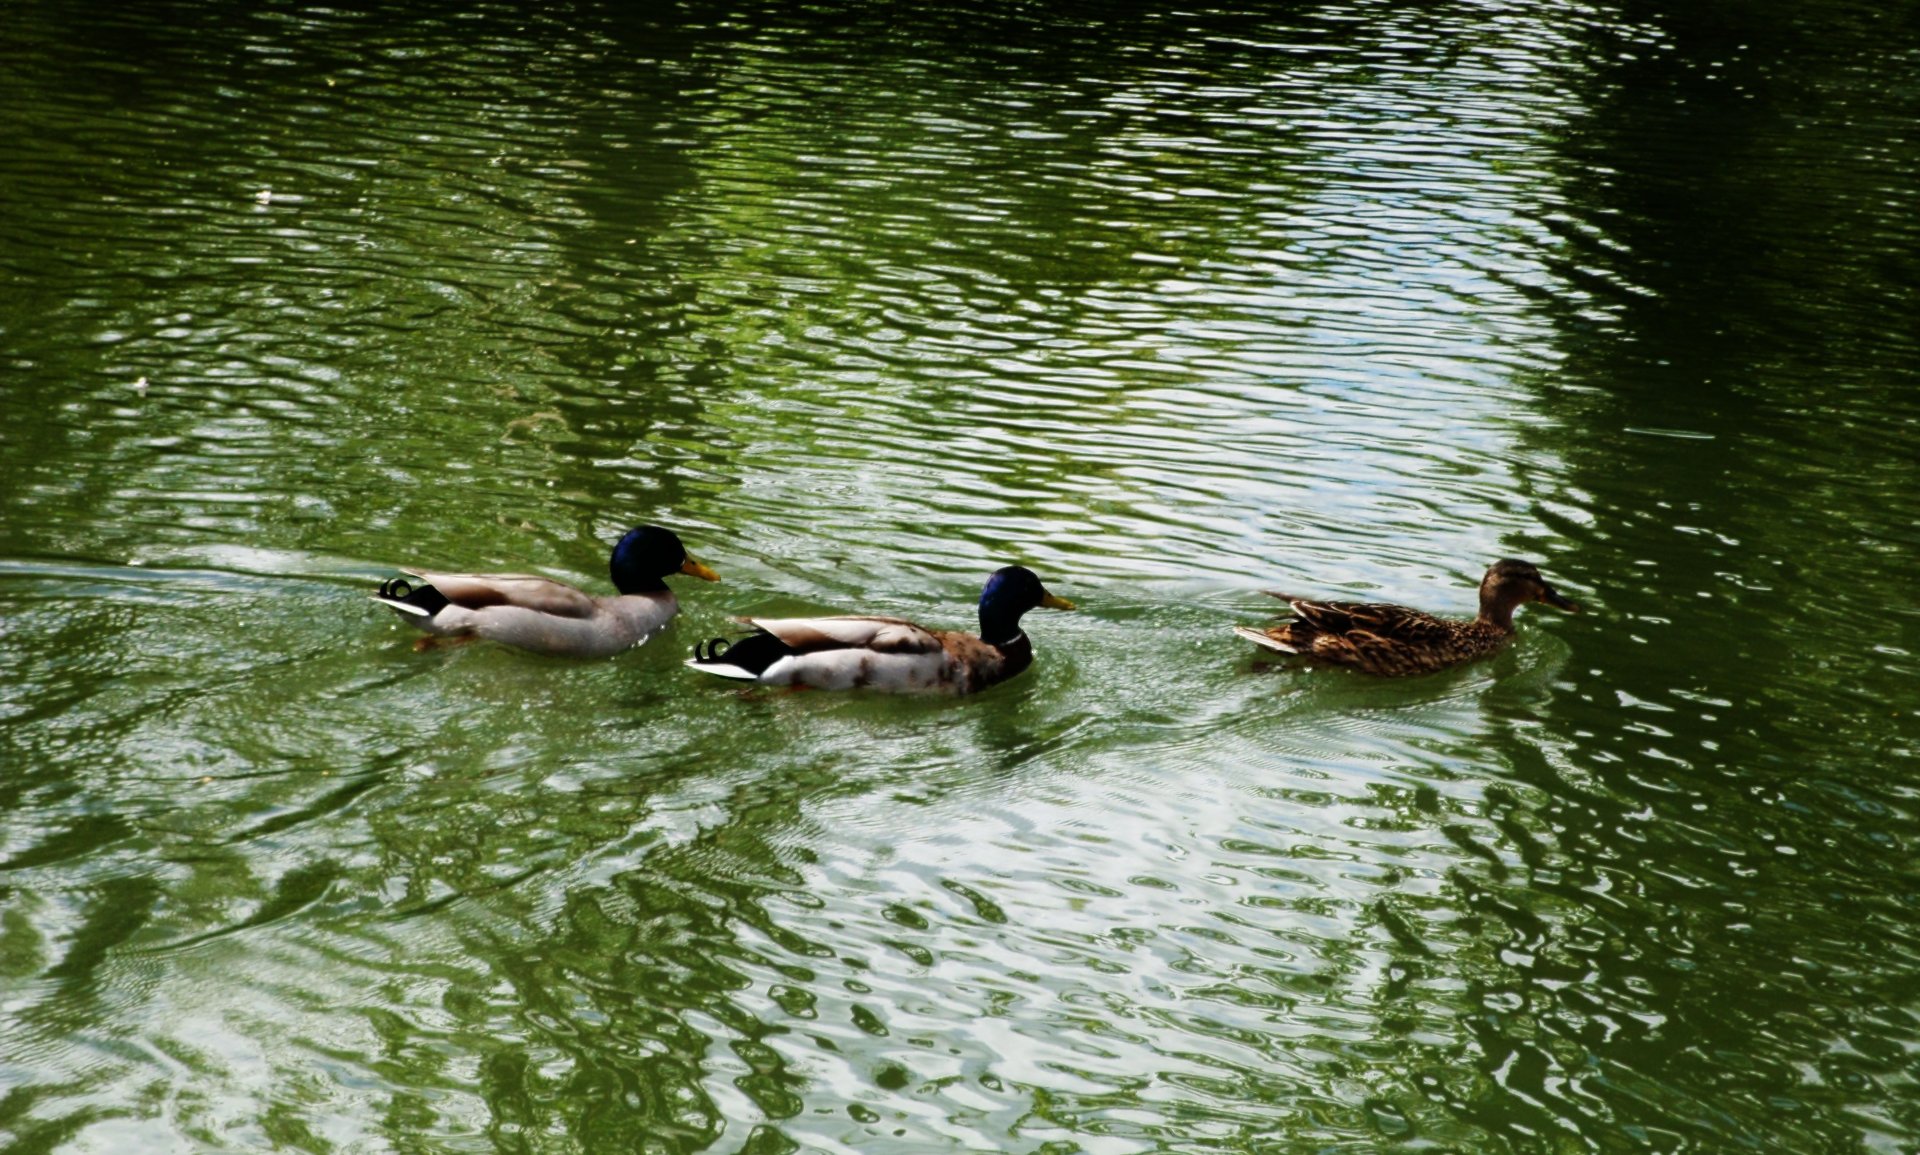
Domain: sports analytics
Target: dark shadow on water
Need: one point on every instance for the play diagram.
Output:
(1736, 410)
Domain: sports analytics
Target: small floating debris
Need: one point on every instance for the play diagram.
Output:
(1682, 434)
(140, 386)
(264, 196)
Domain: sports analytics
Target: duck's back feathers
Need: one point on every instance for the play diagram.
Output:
(880, 634)
(1382, 619)
(542, 595)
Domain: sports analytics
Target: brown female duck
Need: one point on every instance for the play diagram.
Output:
(1396, 641)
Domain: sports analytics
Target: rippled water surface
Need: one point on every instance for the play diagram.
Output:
(1174, 306)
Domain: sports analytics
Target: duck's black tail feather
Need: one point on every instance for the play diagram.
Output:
(745, 658)
(400, 594)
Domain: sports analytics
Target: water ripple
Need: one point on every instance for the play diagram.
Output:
(1174, 306)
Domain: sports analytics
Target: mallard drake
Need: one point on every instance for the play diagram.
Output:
(848, 653)
(547, 616)
(1395, 641)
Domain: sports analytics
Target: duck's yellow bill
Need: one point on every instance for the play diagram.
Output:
(693, 568)
(1054, 602)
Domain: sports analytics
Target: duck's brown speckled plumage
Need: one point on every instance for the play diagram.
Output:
(1398, 641)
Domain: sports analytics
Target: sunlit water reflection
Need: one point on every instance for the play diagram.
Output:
(1172, 308)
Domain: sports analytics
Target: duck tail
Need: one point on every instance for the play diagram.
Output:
(398, 594)
(1263, 638)
(745, 659)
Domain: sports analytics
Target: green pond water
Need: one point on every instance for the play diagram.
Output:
(1173, 305)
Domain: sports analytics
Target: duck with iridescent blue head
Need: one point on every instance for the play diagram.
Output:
(888, 654)
(547, 616)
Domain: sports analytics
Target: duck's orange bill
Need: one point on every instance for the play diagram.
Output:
(693, 568)
(1054, 602)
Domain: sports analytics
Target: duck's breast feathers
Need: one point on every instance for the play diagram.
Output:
(476, 591)
(976, 664)
(872, 634)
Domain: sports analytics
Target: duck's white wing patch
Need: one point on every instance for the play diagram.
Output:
(1262, 638)
(399, 606)
(722, 669)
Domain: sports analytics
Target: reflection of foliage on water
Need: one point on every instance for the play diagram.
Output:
(1179, 303)
(1736, 403)
(600, 1008)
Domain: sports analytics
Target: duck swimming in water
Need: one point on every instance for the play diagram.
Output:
(548, 616)
(889, 654)
(1396, 641)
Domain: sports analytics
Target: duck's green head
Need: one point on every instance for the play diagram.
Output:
(649, 553)
(1009, 593)
(1510, 583)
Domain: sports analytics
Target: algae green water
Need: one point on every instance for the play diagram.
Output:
(1173, 306)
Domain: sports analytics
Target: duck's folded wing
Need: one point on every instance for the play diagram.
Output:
(1401, 625)
(526, 591)
(880, 635)
(1335, 617)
